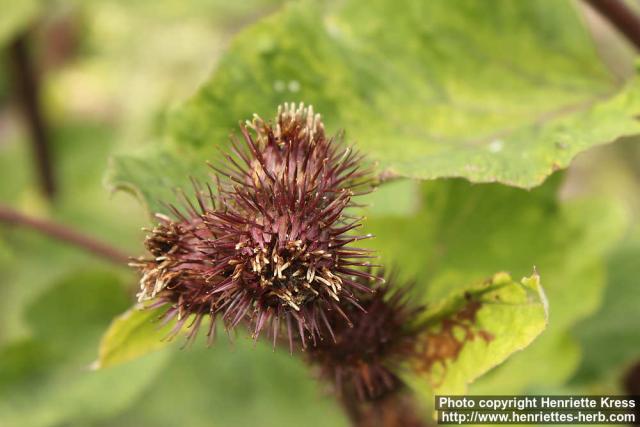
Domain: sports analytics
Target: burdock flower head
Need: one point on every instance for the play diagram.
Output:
(364, 357)
(272, 245)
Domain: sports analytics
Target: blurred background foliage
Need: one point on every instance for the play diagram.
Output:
(111, 73)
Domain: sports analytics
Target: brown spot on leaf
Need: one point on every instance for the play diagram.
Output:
(438, 348)
(486, 335)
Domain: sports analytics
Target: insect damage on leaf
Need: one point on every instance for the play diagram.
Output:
(272, 245)
(442, 346)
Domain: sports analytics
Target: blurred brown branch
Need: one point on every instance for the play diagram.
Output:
(26, 88)
(621, 17)
(63, 233)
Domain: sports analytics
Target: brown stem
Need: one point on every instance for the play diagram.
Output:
(27, 90)
(631, 383)
(63, 233)
(395, 409)
(621, 17)
(351, 407)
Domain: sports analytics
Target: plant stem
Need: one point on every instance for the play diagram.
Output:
(395, 409)
(631, 384)
(27, 90)
(621, 17)
(63, 233)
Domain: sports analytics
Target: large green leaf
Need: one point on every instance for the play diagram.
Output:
(462, 233)
(473, 331)
(231, 383)
(154, 176)
(242, 383)
(610, 337)
(443, 88)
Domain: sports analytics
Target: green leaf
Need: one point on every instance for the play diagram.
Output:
(45, 379)
(62, 396)
(233, 382)
(154, 176)
(576, 286)
(462, 233)
(243, 383)
(503, 94)
(473, 331)
(131, 335)
(610, 337)
(101, 294)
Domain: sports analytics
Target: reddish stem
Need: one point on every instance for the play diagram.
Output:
(27, 91)
(63, 233)
(621, 17)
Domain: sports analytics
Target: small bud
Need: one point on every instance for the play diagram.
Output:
(363, 356)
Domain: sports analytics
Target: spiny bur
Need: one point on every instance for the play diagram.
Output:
(364, 357)
(272, 246)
